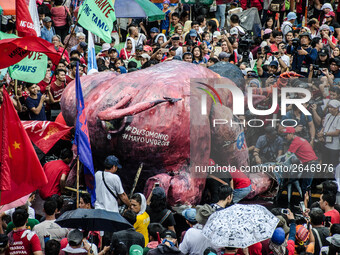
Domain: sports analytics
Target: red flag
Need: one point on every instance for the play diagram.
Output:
(14, 50)
(45, 134)
(19, 162)
(24, 23)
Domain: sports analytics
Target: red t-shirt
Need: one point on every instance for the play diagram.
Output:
(68, 79)
(125, 54)
(24, 242)
(57, 91)
(255, 249)
(42, 85)
(53, 170)
(335, 216)
(240, 179)
(302, 149)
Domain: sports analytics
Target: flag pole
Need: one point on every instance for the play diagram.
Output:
(78, 182)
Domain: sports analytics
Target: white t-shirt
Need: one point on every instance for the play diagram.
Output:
(49, 228)
(141, 38)
(104, 199)
(331, 124)
(31, 212)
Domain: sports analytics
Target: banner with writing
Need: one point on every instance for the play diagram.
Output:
(31, 69)
(98, 16)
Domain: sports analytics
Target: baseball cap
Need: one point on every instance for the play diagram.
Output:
(136, 250)
(177, 57)
(189, 214)
(234, 31)
(47, 19)
(216, 34)
(288, 130)
(154, 30)
(168, 234)
(274, 63)
(330, 14)
(323, 52)
(74, 237)
(147, 48)
(291, 16)
(105, 46)
(192, 32)
(158, 192)
(223, 55)
(278, 236)
(146, 56)
(112, 49)
(111, 161)
(3, 240)
(139, 47)
(331, 28)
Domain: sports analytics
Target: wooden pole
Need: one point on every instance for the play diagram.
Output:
(77, 182)
(15, 87)
(306, 13)
(136, 179)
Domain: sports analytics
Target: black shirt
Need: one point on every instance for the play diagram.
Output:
(163, 217)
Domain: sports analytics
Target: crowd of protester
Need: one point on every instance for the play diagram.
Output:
(203, 38)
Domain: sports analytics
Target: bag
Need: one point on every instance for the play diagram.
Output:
(276, 5)
(68, 18)
(112, 193)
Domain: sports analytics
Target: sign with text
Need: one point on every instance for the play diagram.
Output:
(98, 16)
(31, 69)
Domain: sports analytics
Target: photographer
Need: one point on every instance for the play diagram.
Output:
(303, 54)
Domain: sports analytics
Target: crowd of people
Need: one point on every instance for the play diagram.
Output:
(286, 42)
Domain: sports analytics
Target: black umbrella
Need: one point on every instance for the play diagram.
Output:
(93, 220)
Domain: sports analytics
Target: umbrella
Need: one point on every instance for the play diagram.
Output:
(240, 226)
(93, 220)
(138, 9)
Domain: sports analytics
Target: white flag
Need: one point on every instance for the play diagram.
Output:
(91, 54)
(33, 9)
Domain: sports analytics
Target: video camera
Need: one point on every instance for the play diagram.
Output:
(245, 43)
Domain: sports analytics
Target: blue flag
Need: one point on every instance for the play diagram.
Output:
(82, 140)
(91, 54)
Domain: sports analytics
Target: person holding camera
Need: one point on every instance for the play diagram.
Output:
(303, 54)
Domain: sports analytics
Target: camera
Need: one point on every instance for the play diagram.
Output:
(296, 43)
(267, 49)
(245, 43)
(316, 71)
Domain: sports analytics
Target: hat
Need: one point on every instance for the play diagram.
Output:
(3, 240)
(177, 57)
(323, 52)
(288, 130)
(105, 46)
(330, 14)
(154, 30)
(283, 224)
(274, 63)
(186, 53)
(324, 27)
(47, 19)
(327, 6)
(302, 234)
(305, 34)
(216, 34)
(268, 31)
(146, 56)
(335, 240)
(168, 234)
(291, 16)
(83, 45)
(75, 237)
(189, 214)
(158, 192)
(136, 250)
(234, 31)
(112, 49)
(334, 103)
(166, 2)
(193, 32)
(203, 212)
(111, 161)
(256, 82)
(147, 48)
(223, 55)
(139, 47)
(279, 236)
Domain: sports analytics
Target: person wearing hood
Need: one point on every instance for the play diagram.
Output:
(129, 49)
(138, 205)
(168, 245)
(160, 39)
